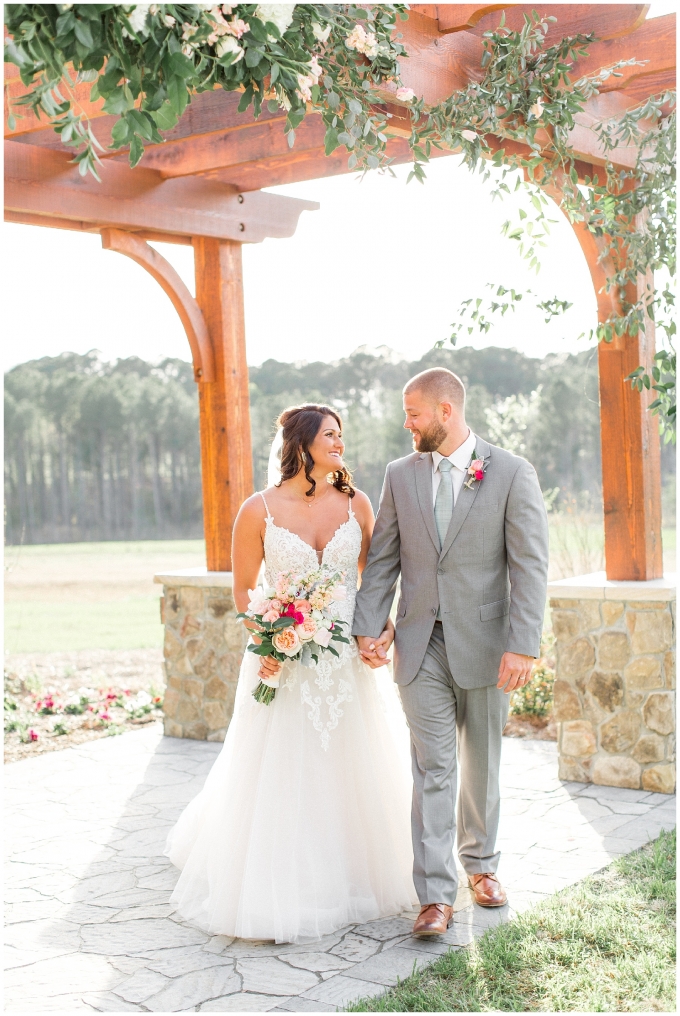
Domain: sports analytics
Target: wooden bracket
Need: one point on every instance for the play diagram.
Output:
(182, 300)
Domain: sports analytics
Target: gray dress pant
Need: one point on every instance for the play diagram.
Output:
(447, 721)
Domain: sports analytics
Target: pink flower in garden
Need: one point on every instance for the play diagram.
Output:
(104, 716)
(32, 736)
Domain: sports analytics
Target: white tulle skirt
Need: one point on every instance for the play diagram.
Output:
(303, 825)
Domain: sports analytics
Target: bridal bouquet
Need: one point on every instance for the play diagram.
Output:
(295, 620)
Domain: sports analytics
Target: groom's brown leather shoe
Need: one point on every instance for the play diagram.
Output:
(487, 890)
(433, 919)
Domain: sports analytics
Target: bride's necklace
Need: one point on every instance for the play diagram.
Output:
(315, 500)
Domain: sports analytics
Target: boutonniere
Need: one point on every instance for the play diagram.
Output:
(476, 470)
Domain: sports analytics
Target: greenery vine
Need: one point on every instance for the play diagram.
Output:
(147, 60)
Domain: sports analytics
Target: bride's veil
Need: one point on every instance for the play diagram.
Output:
(274, 464)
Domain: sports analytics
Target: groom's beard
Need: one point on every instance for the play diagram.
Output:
(429, 440)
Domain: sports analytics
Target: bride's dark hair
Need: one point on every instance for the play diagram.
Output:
(301, 424)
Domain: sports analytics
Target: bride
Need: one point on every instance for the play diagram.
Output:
(303, 825)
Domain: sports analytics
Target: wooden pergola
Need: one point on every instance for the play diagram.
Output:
(203, 188)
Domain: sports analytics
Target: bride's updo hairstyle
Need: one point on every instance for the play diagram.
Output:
(300, 425)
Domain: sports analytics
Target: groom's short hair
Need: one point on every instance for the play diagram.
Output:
(438, 385)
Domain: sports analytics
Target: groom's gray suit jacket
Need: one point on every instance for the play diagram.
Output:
(489, 577)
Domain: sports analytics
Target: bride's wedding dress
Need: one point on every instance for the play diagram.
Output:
(303, 825)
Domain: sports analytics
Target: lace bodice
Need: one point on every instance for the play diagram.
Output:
(286, 551)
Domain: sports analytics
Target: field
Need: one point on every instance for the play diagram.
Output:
(79, 596)
(83, 596)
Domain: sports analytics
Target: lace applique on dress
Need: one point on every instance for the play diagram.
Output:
(286, 551)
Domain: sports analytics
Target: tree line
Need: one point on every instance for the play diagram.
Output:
(110, 451)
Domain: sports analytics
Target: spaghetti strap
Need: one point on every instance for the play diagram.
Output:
(349, 508)
(270, 517)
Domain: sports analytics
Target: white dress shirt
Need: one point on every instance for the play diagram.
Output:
(460, 460)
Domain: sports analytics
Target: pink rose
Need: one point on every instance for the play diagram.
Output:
(271, 615)
(322, 637)
(304, 606)
(476, 464)
(405, 94)
(287, 641)
(275, 604)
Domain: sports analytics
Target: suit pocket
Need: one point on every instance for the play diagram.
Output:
(499, 608)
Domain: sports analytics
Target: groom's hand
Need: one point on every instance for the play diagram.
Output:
(514, 671)
(373, 651)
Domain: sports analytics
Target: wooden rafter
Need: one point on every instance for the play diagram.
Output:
(165, 275)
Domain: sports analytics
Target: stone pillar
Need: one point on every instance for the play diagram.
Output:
(615, 681)
(203, 647)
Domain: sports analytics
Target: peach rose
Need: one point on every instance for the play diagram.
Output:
(307, 630)
(287, 641)
(304, 606)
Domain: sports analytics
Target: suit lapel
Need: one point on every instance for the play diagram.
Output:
(423, 467)
(465, 499)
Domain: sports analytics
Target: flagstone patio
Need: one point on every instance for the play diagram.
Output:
(87, 889)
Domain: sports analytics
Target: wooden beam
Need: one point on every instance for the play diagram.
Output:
(606, 21)
(460, 17)
(182, 300)
(42, 182)
(629, 434)
(226, 455)
(53, 222)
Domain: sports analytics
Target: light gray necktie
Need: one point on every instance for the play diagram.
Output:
(443, 503)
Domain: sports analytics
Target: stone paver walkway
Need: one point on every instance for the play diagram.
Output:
(87, 889)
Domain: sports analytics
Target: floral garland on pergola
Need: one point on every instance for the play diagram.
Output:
(146, 61)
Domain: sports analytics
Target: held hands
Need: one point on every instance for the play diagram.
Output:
(514, 671)
(374, 651)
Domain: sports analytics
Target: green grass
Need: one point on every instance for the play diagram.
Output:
(606, 944)
(135, 547)
(32, 626)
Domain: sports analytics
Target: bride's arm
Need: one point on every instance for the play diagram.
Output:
(247, 553)
(363, 509)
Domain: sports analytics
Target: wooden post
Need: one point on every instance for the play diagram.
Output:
(631, 450)
(226, 459)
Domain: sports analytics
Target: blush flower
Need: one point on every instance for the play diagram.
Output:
(322, 637)
(405, 94)
(271, 616)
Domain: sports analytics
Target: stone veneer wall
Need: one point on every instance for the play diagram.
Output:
(614, 697)
(203, 647)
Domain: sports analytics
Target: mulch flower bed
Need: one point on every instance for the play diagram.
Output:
(48, 707)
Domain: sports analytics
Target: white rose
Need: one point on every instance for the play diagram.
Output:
(320, 34)
(322, 637)
(228, 44)
(280, 15)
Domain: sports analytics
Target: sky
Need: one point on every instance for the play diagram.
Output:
(381, 263)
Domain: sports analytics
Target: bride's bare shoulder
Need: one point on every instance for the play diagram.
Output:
(361, 506)
(253, 508)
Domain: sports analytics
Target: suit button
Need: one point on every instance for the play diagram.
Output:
(440, 571)
(434, 610)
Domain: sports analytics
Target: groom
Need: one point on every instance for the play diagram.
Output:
(471, 545)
